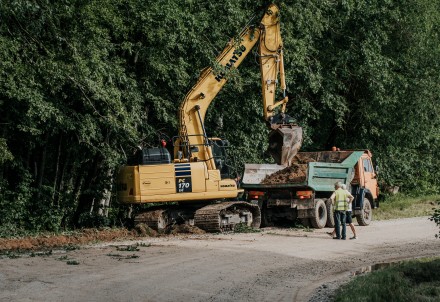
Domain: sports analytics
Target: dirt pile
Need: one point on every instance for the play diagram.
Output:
(144, 230)
(87, 236)
(184, 229)
(295, 173)
(52, 241)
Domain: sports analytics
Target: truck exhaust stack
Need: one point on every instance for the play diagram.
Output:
(284, 143)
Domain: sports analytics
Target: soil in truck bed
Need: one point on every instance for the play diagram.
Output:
(297, 171)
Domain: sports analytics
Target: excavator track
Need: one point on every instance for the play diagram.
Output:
(224, 216)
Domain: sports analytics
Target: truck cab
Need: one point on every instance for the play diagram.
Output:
(365, 175)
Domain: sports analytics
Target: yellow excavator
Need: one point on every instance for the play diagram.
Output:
(193, 186)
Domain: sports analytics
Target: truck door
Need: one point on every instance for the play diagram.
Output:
(369, 176)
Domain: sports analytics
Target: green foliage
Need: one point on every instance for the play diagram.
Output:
(93, 220)
(5, 154)
(76, 100)
(14, 203)
(436, 218)
(416, 280)
(244, 228)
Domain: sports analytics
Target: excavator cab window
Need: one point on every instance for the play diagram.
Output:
(220, 156)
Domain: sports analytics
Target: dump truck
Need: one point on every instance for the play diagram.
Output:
(302, 190)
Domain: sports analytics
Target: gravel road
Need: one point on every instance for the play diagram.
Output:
(273, 265)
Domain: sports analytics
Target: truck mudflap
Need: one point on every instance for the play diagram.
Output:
(225, 216)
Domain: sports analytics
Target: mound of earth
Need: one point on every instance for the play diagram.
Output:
(144, 230)
(184, 229)
(85, 236)
(52, 241)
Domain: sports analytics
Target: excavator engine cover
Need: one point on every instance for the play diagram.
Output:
(284, 143)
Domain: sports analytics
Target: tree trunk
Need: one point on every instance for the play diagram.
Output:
(43, 162)
(104, 203)
(87, 193)
(61, 186)
(57, 169)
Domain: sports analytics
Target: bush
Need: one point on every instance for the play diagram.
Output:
(436, 218)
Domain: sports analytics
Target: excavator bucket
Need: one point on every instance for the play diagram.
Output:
(284, 143)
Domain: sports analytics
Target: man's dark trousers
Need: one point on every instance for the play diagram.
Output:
(340, 219)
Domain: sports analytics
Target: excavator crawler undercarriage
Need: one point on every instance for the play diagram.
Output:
(220, 217)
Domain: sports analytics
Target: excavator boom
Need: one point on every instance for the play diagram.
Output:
(285, 136)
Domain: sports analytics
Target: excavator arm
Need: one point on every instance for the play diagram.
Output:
(285, 137)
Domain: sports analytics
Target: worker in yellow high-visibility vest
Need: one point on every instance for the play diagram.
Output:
(340, 200)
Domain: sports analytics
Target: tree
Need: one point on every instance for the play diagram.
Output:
(83, 84)
(436, 218)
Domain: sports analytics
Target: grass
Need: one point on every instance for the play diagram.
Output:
(72, 262)
(128, 248)
(244, 228)
(402, 206)
(415, 280)
(120, 257)
(143, 244)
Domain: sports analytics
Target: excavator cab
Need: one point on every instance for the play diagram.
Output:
(220, 156)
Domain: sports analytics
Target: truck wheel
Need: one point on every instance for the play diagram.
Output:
(264, 219)
(320, 219)
(330, 218)
(366, 216)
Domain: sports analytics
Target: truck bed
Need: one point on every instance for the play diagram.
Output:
(322, 170)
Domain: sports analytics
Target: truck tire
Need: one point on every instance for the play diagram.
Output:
(330, 218)
(320, 219)
(366, 216)
(264, 219)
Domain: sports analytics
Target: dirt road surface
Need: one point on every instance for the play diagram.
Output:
(274, 265)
